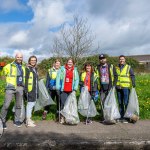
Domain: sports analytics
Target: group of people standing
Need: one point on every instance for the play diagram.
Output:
(61, 81)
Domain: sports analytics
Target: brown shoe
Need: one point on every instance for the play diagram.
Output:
(44, 115)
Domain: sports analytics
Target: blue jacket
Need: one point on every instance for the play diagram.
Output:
(51, 79)
(60, 79)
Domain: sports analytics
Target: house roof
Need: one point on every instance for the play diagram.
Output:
(141, 58)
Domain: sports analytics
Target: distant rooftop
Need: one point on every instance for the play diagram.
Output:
(141, 58)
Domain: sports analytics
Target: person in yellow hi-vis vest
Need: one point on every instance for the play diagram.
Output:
(89, 78)
(126, 79)
(31, 89)
(15, 80)
(51, 87)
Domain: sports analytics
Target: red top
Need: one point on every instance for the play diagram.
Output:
(87, 80)
(68, 79)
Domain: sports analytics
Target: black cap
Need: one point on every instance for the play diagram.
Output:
(101, 56)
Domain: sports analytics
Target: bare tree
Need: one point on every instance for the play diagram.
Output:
(75, 40)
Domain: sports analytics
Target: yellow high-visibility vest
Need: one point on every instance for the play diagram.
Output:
(10, 71)
(30, 82)
(52, 73)
(124, 79)
(83, 75)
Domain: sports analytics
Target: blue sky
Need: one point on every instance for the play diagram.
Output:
(121, 27)
(22, 13)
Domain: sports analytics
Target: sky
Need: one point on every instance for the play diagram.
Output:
(120, 27)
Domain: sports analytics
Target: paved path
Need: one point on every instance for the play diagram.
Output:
(93, 136)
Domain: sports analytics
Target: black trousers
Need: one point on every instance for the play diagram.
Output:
(55, 96)
(63, 97)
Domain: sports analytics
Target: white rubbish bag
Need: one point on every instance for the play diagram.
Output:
(132, 110)
(111, 112)
(86, 106)
(44, 97)
(70, 110)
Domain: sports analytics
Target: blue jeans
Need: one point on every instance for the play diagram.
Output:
(29, 109)
(123, 99)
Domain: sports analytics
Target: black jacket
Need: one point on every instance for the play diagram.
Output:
(93, 84)
(33, 95)
(110, 79)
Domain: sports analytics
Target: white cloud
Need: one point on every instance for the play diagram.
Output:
(120, 27)
(19, 37)
(49, 13)
(8, 5)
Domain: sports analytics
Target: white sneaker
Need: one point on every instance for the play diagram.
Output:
(30, 123)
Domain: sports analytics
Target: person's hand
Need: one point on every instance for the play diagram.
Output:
(54, 87)
(74, 91)
(114, 87)
(133, 85)
(93, 96)
(25, 91)
(25, 95)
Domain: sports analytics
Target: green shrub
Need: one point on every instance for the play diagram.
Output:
(47, 63)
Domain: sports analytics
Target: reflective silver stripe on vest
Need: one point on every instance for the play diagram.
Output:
(124, 82)
(124, 76)
(12, 76)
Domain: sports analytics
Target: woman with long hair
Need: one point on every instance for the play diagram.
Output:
(67, 81)
(89, 78)
(31, 89)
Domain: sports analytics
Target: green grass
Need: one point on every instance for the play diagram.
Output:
(142, 88)
(143, 92)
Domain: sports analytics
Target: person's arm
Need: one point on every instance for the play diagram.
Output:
(1, 71)
(115, 76)
(96, 85)
(58, 80)
(132, 76)
(26, 80)
(47, 80)
(4, 72)
(76, 81)
(95, 88)
(81, 83)
(98, 77)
